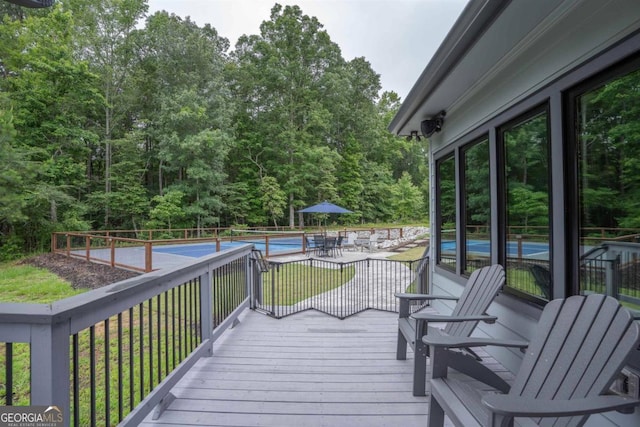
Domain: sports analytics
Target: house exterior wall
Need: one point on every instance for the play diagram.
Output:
(575, 41)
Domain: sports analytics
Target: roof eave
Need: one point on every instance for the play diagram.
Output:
(476, 17)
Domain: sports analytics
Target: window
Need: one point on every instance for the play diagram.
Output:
(446, 211)
(607, 149)
(477, 206)
(526, 242)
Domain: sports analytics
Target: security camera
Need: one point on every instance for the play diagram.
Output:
(432, 125)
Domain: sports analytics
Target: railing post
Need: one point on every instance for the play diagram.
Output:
(68, 245)
(50, 367)
(611, 276)
(206, 309)
(87, 245)
(54, 240)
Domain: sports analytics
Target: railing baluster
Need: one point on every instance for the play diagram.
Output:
(92, 373)
(159, 335)
(179, 324)
(166, 331)
(8, 372)
(107, 374)
(75, 357)
(150, 352)
(173, 327)
(131, 352)
(120, 371)
(141, 349)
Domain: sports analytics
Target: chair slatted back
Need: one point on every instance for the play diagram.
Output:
(481, 289)
(580, 345)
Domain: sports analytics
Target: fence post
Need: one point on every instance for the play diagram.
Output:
(206, 308)
(87, 245)
(50, 367)
(112, 244)
(148, 261)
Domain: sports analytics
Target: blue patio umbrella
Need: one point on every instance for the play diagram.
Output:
(325, 208)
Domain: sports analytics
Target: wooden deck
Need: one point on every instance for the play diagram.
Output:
(307, 370)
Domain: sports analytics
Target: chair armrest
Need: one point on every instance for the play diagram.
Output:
(443, 318)
(464, 342)
(517, 406)
(424, 297)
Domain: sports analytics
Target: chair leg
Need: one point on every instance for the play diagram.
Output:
(436, 413)
(401, 349)
(419, 369)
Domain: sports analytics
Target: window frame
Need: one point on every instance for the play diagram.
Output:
(463, 200)
(438, 222)
(503, 232)
(553, 93)
(571, 146)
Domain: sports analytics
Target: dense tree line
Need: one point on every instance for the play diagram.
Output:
(112, 119)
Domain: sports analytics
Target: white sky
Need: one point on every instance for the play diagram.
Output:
(398, 37)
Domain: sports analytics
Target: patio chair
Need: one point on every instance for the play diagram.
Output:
(579, 347)
(318, 244)
(350, 244)
(309, 245)
(338, 249)
(370, 244)
(481, 288)
(329, 246)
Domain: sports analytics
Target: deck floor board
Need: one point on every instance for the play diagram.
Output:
(308, 369)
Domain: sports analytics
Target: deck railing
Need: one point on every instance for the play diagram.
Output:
(613, 268)
(112, 354)
(340, 289)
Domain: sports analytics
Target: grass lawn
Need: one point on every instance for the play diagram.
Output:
(409, 255)
(25, 283)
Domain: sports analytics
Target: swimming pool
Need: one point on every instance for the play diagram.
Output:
(197, 250)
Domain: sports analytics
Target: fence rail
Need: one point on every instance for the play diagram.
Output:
(106, 246)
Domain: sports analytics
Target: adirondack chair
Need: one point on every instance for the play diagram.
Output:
(579, 347)
(482, 287)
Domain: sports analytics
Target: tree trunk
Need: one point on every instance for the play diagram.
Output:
(292, 216)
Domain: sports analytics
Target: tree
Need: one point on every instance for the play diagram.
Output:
(103, 31)
(15, 174)
(186, 109)
(167, 210)
(280, 76)
(53, 102)
(274, 200)
(406, 199)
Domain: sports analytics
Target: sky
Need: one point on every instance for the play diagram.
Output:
(397, 37)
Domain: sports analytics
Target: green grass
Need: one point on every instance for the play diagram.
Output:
(23, 283)
(409, 255)
(28, 284)
(288, 290)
